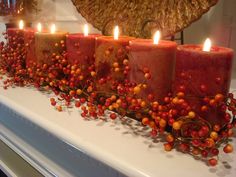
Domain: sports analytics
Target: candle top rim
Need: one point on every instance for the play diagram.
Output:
(82, 34)
(198, 48)
(24, 29)
(48, 32)
(119, 38)
(149, 42)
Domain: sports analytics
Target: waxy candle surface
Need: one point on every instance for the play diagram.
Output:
(29, 40)
(109, 50)
(45, 45)
(15, 37)
(201, 73)
(159, 59)
(81, 48)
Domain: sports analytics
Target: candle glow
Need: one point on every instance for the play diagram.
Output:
(21, 24)
(116, 33)
(86, 30)
(156, 38)
(39, 27)
(207, 45)
(53, 28)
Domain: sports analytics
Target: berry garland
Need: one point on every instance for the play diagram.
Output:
(78, 86)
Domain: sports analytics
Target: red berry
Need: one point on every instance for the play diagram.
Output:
(77, 104)
(82, 100)
(212, 162)
(204, 153)
(153, 133)
(214, 151)
(113, 116)
(53, 103)
(203, 88)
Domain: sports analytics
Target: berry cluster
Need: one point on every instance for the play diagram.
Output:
(184, 129)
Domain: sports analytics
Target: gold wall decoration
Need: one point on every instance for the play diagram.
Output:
(140, 18)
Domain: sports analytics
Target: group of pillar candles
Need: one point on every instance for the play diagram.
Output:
(198, 70)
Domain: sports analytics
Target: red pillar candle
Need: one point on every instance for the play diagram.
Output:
(81, 48)
(16, 36)
(48, 43)
(29, 41)
(203, 74)
(108, 50)
(159, 59)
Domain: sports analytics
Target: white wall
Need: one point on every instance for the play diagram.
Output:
(64, 13)
(219, 24)
(2, 29)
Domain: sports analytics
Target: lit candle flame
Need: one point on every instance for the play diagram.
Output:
(39, 27)
(21, 24)
(116, 33)
(86, 30)
(53, 28)
(207, 45)
(157, 37)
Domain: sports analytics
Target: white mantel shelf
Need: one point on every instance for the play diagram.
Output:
(64, 144)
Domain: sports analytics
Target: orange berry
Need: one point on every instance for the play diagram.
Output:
(168, 147)
(230, 132)
(125, 62)
(143, 104)
(90, 89)
(204, 108)
(115, 105)
(93, 73)
(118, 101)
(212, 102)
(180, 94)
(147, 75)
(117, 69)
(137, 89)
(115, 64)
(216, 128)
(219, 97)
(175, 100)
(78, 91)
(72, 93)
(214, 135)
(78, 71)
(113, 97)
(210, 142)
(59, 108)
(176, 125)
(228, 148)
(152, 124)
(145, 121)
(107, 52)
(162, 123)
(191, 114)
(144, 86)
(170, 138)
(155, 103)
(81, 77)
(196, 151)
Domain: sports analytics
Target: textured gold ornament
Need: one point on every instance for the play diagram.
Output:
(140, 18)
